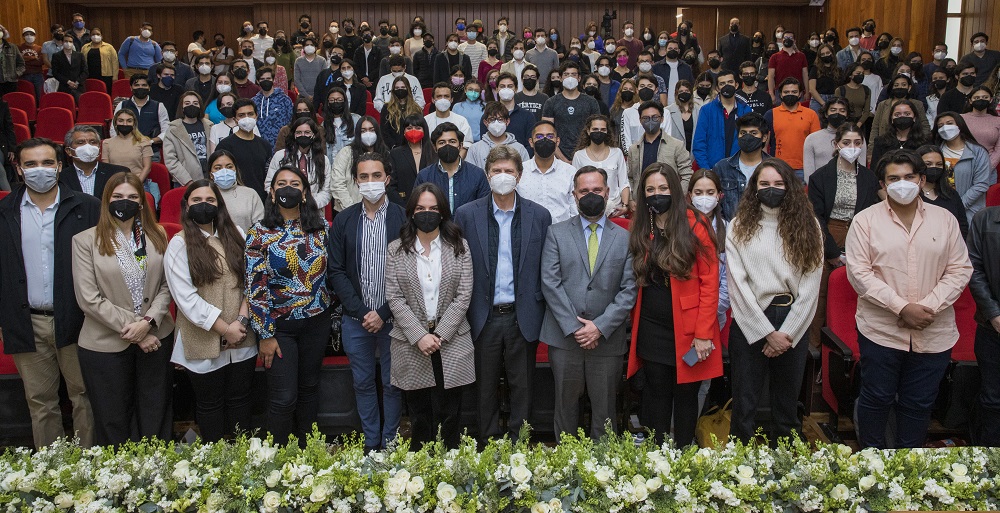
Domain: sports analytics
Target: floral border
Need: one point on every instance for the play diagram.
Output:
(611, 475)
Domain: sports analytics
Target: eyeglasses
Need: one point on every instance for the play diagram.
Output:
(657, 119)
(539, 137)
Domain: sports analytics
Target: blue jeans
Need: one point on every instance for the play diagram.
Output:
(905, 380)
(36, 79)
(360, 346)
(988, 357)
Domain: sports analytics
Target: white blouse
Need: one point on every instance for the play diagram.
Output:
(429, 271)
(617, 169)
(320, 191)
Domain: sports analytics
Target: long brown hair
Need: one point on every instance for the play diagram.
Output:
(675, 253)
(392, 108)
(450, 232)
(797, 226)
(203, 261)
(107, 225)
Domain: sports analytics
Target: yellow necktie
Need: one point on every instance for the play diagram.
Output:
(592, 246)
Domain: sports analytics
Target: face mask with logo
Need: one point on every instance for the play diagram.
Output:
(123, 209)
(288, 197)
(903, 191)
(705, 204)
(372, 191)
(40, 179)
(225, 178)
(87, 153)
(503, 183)
(728, 91)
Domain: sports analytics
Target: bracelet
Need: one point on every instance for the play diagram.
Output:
(226, 332)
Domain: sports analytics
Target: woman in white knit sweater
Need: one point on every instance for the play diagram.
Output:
(774, 254)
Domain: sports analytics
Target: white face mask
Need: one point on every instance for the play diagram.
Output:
(854, 41)
(347, 74)
(169, 56)
(68, 46)
(540, 41)
(570, 83)
(850, 154)
(87, 153)
(269, 59)
(96, 39)
(591, 45)
(645, 67)
(247, 124)
(503, 28)
(453, 45)
(418, 32)
(204, 69)
(604, 71)
(368, 138)
(503, 183)
(979, 47)
(896, 50)
(372, 191)
(506, 94)
(41, 179)
(949, 132)
(629, 32)
(29, 39)
(903, 191)
(334, 30)
(223, 88)
(497, 128)
(442, 104)
(705, 204)
(309, 49)
(814, 43)
(394, 50)
(146, 33)
(940, 56)
(609, 49)
(518, 54)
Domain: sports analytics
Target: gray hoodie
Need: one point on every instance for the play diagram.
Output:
(481, 148)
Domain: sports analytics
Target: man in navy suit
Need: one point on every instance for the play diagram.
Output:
(357, 252)
(85, 173)
(505, 235)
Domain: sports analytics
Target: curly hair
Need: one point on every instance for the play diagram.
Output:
(801, 239)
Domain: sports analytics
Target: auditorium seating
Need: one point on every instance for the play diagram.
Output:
(96, 109)
(53, 123)
(95, 85)
(19, 117)
(60, 100)
(170, 205)
(21, 133)
(158, 174)
(121, 88)
(23, 101)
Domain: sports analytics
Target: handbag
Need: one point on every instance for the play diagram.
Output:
(715, 423)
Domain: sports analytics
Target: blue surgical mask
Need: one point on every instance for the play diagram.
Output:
(225, 178)
(663, 42)
(554, 36)
(472, 95)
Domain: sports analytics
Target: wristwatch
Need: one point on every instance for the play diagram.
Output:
(243, 320)
(152, 323)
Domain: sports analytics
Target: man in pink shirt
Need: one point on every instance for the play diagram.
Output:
(908, 263)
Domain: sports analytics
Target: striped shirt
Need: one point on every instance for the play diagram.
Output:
(372, 245)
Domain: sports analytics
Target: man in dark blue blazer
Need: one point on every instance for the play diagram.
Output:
(505, 235)
(359, 238)
(84, 172)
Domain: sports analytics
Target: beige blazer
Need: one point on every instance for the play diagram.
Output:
(179, 153)
(671, 152)
(105, 299)
(411, 370)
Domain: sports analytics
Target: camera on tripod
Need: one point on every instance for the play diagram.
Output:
(606, 25)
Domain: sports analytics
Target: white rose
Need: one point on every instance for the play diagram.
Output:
(663, 467)
(602, 476)
(517, 459)
(555, 505)
(446, 493)
(319, 494)
(84, 498)
(273, 478)
(876, 464)
(958, 469)
(654, 484)
(520, 474)
(453, 507)
(271, 501)
(415, 486)
(844, 450)
(840, 492)
(961, 479)
(395, 486)
(744, 472)
(64, 500)
(865, 483)
(402, 475)
(641, 493)
(540, 507)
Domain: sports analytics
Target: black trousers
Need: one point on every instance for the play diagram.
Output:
(222, 399)
(661, 396)
(130, 393)
(499, 348)
(436, 407)
(293, 379)
(785, 374)
(988, 356)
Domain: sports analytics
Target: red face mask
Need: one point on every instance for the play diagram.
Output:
(413, 135)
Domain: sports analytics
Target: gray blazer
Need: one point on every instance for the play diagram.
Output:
(606, 298)
(411, 370)
(673, 113)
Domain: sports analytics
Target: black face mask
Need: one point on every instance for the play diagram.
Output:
(383, 30)
(902, 123)
(448, 153)
(590, 90)
(933, 174)
(967, 80)
(870, 28)
(771, 196)
(492, 52)
(598, 137)
(684, 97)
(728, 91)
(858, 79)
(787, 43)
(758, 40)
(304, 141)
(683, 32)
(980, 104)
(900, 92)
(262, 32)
(304, 25)
(646, 94)
(826, 59)
(882, 45)
(123, 209)
(556, 85)
(428, 43)
(241, 73)
(530, 83)
(673, 54)
(336, 59)
(749, 80)
(227, 112)
(367, 38)
(940, 84)
(427, 221)
(327, 44)
(790, 99)
(704, 91)
(247, 52)
(400, 93)
(191, 111)
(545, 147)
(219, 42)
(835, 120)
(288, 197)
(866, 65)
(658, 203)
(124, 129)
(335, 108)
(714, 63)
(266, 85)
(750, 143)
(140, 92)
(627, 96)
(769, 52)
(734, 28)
(203, 213)
(591, 204)
(280, 42)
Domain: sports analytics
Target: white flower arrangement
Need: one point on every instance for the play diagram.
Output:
(252, 475)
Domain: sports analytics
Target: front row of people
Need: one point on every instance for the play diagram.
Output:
(447, 301)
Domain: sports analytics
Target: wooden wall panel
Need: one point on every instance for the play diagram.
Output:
(981, 16)
(17, 14)
(919, 22)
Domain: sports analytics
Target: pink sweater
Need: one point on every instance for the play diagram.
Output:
(986, 130)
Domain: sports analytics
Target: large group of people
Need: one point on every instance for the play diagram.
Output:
(512, 190)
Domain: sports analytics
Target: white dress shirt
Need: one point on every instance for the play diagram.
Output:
(201, 313)
(552, 189)
(429, 271)
(38, 240)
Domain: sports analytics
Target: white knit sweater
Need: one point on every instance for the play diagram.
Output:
(757, 271)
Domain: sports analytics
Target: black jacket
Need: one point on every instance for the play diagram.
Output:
(367, 67)
(984, 252)
(952, 203)
(327, 80)
(442, 68)
(423, 67)
(8, 140)
(72, 69)
(735, 50)
(823, 194)
(69, 178)
(404, 171)
(76, 212)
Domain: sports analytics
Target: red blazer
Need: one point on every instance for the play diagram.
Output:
(695, 303)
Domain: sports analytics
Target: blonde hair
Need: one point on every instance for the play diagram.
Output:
(137, 136)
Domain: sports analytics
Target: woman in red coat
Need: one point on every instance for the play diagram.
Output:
(677, 271)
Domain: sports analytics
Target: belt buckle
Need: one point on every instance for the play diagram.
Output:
(791, 299)
(431, 325)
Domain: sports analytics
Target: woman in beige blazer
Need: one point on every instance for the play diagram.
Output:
(126, 336)
(429, 287)
(187, 144)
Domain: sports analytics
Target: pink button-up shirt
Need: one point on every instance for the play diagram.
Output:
(891, 267)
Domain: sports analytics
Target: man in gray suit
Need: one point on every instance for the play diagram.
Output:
(589, 288)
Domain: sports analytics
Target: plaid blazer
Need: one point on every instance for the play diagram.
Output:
(411, 370)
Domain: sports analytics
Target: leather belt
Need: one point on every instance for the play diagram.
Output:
(785, 299)
(47, 313)
(505, 308)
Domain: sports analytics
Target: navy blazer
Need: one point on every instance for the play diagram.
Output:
(529, 303)
(343, 257)
(104, 171)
